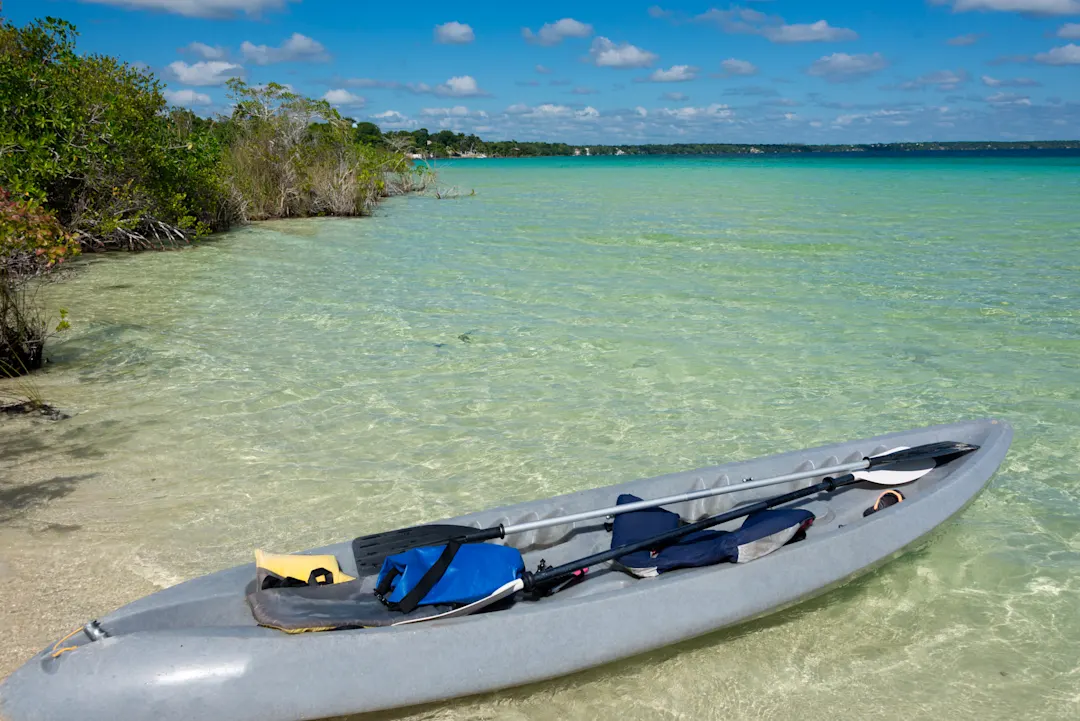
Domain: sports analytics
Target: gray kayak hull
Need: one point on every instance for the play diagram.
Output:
(193, 651)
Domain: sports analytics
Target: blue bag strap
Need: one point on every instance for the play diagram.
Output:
(412, 599)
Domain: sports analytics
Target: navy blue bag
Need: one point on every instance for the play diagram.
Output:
(761, 533)
(453, 574)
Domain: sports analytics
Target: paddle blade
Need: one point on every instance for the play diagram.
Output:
(897, 473)
(918, 453)
(371, 550)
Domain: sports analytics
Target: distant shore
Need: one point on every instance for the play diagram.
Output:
(470, 147)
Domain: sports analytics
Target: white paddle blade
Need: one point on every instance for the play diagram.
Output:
(499, 594)
(899, 473)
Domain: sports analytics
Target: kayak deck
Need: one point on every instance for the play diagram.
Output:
(207, 621)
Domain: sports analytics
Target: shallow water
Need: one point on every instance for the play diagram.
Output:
(582, 322)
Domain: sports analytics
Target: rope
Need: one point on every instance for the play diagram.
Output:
(56, 652)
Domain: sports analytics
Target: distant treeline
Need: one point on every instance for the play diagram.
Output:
(448, 144)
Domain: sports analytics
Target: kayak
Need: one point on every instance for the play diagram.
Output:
(195, 650)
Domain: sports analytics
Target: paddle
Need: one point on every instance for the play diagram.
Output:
(370, 551)
(537, 582)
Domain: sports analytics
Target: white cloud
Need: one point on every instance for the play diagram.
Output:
(965, 40)
(714, 111)
(1065, 55)
(552, 110)
(606, 54)
(841, 67)
(462, 86)
(819, 32)
(658, 12)
(200, 8)
(1069, 31)
(738, 20)
(1009, 82)
(731, 67)
(394, 120)
(543, 70)
(676, 74)
(944, 80)
(1030, 7)
(1000, 99)
(297, 49)
(675, 97)
(454, 33)
(584, 90)
(186, 97)
(206, 52)
(554, 33)
(215, 72)
(340, 96)
(458, 111)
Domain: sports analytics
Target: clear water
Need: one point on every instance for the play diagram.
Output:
(583, 322)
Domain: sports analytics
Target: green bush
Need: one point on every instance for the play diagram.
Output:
(288, 156)
(90, 137)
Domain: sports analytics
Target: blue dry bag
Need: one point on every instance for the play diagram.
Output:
(455, 574)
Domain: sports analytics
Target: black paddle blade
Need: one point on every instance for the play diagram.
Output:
(371, 550)
(950, 449)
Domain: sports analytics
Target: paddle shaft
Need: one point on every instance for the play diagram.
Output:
(931, 450)
(557, 573)
(747, 485)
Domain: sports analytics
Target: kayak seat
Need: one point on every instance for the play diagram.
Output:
(328, 607)
(760, 534)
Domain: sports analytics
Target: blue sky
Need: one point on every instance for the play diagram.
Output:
(623, 72)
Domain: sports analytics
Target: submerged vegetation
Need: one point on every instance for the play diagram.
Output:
(93, 158)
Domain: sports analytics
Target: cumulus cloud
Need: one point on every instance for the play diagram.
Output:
(1029, 7)
(965, 40)
(206, 52)
(675, 74)
(554, 33)
(341, 96)
(944, 80)
(841, 67)
(818, 32)
(458, 111)
(714, 111)
(732, 67)
(1069, 31)
(1008, 99)
(216, 72)
(1009, 83)
(186, 97)
(553, 110)
(394, 120)
(738, 20)
(454, 33)
(1065, 55)
(297, 49)
(752, 91)
(461, 86)
(215, 9)
(606, 54)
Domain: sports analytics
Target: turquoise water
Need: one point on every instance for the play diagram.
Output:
(582, 322)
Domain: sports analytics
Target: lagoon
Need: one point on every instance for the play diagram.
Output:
(578, 322)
